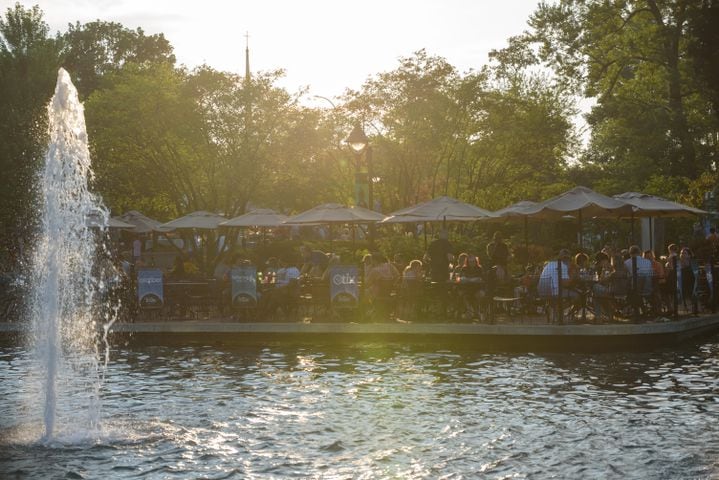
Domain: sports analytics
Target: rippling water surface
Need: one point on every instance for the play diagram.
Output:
(370, 410)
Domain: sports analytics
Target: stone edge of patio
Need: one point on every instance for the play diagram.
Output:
(660, 326)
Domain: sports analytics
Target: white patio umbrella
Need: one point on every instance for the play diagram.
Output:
(142, 223)
(582, 202)
(651, 206)
(515, 210)
(332, 213)
(96, 220)
(200, 220)
(261, 217)
(438, 210)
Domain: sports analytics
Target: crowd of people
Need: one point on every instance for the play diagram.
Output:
(462, 284)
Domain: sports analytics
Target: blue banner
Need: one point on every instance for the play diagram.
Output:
(344, 285)
(244, 286)
(150, 288)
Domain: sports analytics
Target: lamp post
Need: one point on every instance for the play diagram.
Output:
(359, 143)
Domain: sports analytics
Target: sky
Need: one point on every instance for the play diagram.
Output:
(326, 46)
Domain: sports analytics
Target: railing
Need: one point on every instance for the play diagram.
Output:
(486, 300)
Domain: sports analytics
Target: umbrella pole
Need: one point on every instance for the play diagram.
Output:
(651, 233)
(581, 237)
(526, 236)
(425, 235)
(632, 220)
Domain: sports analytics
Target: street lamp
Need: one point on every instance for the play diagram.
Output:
(359, 143)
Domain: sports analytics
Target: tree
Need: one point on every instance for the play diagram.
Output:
(28, 69)
(485, 137)
(147, 143)
(419, 125)
(95, 49)
(631, 56)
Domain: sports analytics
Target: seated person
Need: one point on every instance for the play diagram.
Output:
(334, 260)
(221, 267)
(549, 284)
(314, 262)
(399, 262)
(582, 266)
(178, 269)
(413, 274)
(613, 282)
(458, 264)
(411, 288)
(285, 287)
(471, 269)
(381, 275)
(471, 292)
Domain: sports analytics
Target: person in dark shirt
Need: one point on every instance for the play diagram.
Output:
(498, 251)
(439, 253)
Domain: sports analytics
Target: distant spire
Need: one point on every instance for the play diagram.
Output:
(247, 57)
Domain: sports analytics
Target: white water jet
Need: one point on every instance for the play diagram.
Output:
(64, 301)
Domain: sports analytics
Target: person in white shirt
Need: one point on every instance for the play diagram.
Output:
(285, 288)
(549, 278)
(644, 265)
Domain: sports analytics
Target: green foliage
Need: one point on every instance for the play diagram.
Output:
(652, 113)
(489, 138)
(28, 67)
(95, 49)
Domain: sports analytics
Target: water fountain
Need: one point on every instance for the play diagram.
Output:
(65, 272)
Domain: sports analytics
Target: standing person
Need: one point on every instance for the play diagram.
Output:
(440, 253)
(136, 250)
(498, 251)
(687, 276)
(713, 239)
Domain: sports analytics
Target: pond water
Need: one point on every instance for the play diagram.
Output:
(371, 410)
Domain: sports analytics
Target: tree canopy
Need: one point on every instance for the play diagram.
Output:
(167, 140)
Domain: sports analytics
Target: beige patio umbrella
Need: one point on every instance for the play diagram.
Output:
(582, 202)
(200, 220)
(96, 220)
(142, 223)
(439, 209)
(515, 210)
(332, 213)
(651, 206)
(262, 217)
(197, 221)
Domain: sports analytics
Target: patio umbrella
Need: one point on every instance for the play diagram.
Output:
(199, 220)
(439, 209)
(96, 220)
(330, 213)
(652, 206)
(142, 223)
(518, 209)
(582, 201)
(257, 218)
(202, 221)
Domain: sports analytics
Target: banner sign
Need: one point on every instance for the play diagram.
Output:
(244, 286)
(149, 288)
(344, 285)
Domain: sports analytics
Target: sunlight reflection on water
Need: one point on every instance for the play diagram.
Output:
(381, 411)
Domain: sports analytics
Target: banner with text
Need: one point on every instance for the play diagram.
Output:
(150, 288)
(244, 286)
(344, 285)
